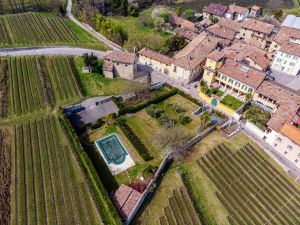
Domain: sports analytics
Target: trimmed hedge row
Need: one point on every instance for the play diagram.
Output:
(135, 108)
(205, 219)
(135, 140)
(107, 211)
(185, 95)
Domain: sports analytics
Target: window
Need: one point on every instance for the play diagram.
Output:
(292, 64)
(285, 152)
(296, 160)
(243, 86)
(126, 65)
(279, 60)
(224, 78)
(288, 56)
(250, 89)
(174, 69)
(289, 147)
(275, 145)
(278, 139)
(295, 57)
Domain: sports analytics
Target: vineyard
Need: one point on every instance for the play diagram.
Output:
(48, 186)
(17, 6)
(37, 82)
(250, 187)
(4, 177)
(180, 210)
(3, 88)
(33, 28)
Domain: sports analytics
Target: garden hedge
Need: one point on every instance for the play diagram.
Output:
(135, 141)
(107, 211)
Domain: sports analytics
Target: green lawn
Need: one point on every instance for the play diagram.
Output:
(232, 102)
(95, 84)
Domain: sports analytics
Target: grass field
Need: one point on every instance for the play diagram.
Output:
(35, 83)
(170, 204)
(264, 181)
(48, 186)
(94, 84)
(14, 6)
(32, 29)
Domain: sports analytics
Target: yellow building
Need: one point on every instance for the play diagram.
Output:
(232, 77)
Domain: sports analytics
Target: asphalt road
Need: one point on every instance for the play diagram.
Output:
(56, 50)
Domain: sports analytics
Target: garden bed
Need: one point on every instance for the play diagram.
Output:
(232, 102)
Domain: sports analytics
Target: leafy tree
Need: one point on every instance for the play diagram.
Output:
(183, 119)
(145, 19)
(159, 22)
(133, 11)
(205, 118)
(123, 8)
(176, 42)
(189, 14)
(177, 11)
(278, 14)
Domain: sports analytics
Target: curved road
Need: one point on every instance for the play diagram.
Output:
(111, 45)
(54, 50)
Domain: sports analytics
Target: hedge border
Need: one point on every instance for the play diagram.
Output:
(135, 141)
(107, 211)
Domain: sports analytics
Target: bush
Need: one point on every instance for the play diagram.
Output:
(204, 89)
(135, 140)
(183, 119)
(166, 121)
(258, 117)
(176, 42)
(107, 211)
(211, 91)
(179, 109)
(153, 111)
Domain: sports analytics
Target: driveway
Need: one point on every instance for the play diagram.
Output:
(43, 50)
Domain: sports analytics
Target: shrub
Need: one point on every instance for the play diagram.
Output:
(153, 111)
(166, 121)
(204, 89)
(183, 119)
(179, 109)
(219, 93)
(135, 140)
(258, 117)
(211, 91)
(149, 171)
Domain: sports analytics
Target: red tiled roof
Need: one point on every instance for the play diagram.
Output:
(292, 132)
(257, 25)
(285, 34)
(195, 52)
(120, 56)
(155, 56)
(287, 100)
(222, 32)
(125, 199)
(215, 9)
(216, 55)
(182, 22)
(186, 33)
(235, 70)
(237, 9)
(291, 48)
(230, 24)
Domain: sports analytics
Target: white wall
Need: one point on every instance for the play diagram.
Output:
(254, 129)
(286, 63)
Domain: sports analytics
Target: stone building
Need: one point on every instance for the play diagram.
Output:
(215, 11)
(236, 12)
(120, 64)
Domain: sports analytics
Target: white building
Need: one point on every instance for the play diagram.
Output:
(237, 13)
(287, 59)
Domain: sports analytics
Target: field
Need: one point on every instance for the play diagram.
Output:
(3, 88)
(48, 186)
(250, 188)
(95, 84)
(14, 6)
(38, 82)
(36, 29)
(5, 178)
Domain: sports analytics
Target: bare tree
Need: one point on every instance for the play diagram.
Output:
(275, 5)
(171, 139)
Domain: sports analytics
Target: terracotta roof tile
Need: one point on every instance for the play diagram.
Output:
(222, 32)
(255, 8)
(230, 24)
(215, 9)
(257, 25)
(186, 33)
(216, 55)
(238, 70)
(195, 52)
(182, 22)
(291, 48)
(287, 100)
(120, 56)
(237, 9)
(285, 33)
(292, 132)
(155, 56)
